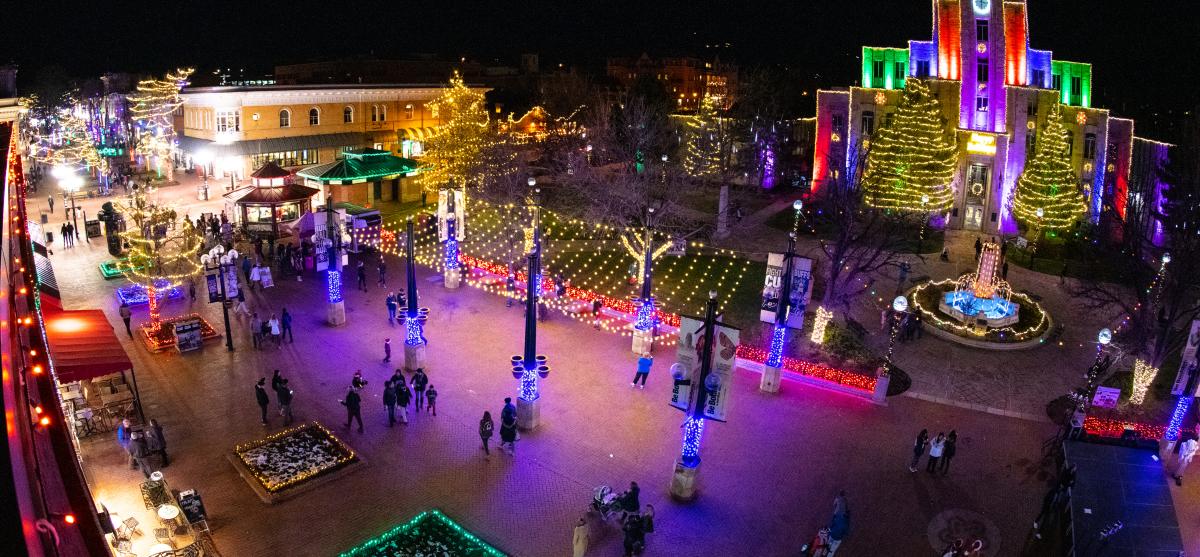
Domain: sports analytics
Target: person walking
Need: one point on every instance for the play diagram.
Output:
(935, 452)
(256, 330)
(123, 435)
(403, 396)
(643, 369)
(276, 332)
(948, 451)
(634, 537)
(241, 308)
(246, 267)
(579, 538)
(978, 248)
(597, 307)
(510, 288)
(486, 426)
(126, 314)
(419, 382)
(391, 306)
(1187, 450)
(50, 198)
(285, 401)
(1004, 271)
(285, 321)
(156, 444)
(192, 290)
(387, 350)
(358, 382)
(353, 404)
(260, 395)
(362, 276)
(389, 401)
(382, 272)
(508, 426)
(431, 399)
(918, 449)
(276, 382)
(838, 528)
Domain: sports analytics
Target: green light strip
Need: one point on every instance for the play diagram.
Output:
(367, 548)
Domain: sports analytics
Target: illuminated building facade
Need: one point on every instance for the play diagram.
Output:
(686, 79)
(995, 92)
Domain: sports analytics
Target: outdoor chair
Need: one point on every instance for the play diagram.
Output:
(163, 535)
(128, 528)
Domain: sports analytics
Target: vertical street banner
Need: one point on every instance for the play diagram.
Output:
(264, 276)
(801, 295)
(1187, 361)
(444, 208)
(724, 361)
(214, 288)
(691, 329)
(687, 354)
(231, 283)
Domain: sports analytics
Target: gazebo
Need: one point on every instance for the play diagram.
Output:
(364, 176)
(271, 204)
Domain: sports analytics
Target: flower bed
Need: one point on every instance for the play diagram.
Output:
(429, 533)
(294, 455)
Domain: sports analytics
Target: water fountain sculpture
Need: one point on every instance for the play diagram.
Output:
(982, 299)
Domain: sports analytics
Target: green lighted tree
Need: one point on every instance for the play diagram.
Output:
(1049, 183)
(910, 163)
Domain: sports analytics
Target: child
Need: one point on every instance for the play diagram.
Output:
(387, 349)
(431, 399)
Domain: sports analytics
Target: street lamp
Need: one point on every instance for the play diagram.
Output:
(529, 366)
(899, 306)
(687, 468)
(414, 316)
(773, 368)
(646, 322)
(71, 183)
(218, 260)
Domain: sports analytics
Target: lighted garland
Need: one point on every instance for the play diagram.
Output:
(1143, 376)
(969, 331)
(153, 107)
(911, 162)
(1049, 182)
(1116, 428)
(161, 247)
(347, 456)
(413, 537)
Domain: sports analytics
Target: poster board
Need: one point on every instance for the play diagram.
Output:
(456, 201)
(687, 354)
(1106, 397)
(801, 294)
(187, 335)
(192, 506)
(264, 276)
(690, 329)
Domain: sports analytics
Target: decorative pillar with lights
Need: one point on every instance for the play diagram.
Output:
(773, 367)
(687, 469)
(529, 366)
(646, 321)
(335, 311)
(451, 271)
(414, 317)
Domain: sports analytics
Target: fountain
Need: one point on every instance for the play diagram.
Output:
(980, 298)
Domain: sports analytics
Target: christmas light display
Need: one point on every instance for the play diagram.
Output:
(693, 432)
(340, 455)
(153, 109)
(1049, 182)
(68, 142)
(969, 330)
(421, 535)
(819, 324)
(450, 257)
(1175, 426)
(162, 249)
(1116, 428)
(1143, 376)
(333, 285)
(775, 352)
(707, 141)
(911, 162)
(463, 149)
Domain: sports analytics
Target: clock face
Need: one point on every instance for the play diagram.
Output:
(982, 7)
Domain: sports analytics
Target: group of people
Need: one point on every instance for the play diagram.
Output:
(829, 538)
(143, 444)
(69, 234)
(274, 330)
(636, 521)
(394, 302)
(941, 451)
(508, 428)
(283, 397)
(398, 392)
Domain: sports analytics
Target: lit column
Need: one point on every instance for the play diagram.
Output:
(773, 367)
(530, 366)
(646, 321)
(451, 272)
(687, 468)
(414, 317)
(335, 312)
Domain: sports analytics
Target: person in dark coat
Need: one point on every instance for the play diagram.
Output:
(389, 400)
(138, 453)
(508, 426)
(285, 395)
(353, 404)
(630, 501)
(918, 449)
(276, 381)
(157, 443)
(419, 382)
(948, 451)
(285, 320)
(635, 535)
(260, 394)
(486, 426)
(431, 400)
(403, 397)
(357, 381)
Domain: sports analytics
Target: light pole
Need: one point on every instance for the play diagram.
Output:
(451, 270)
(773, 367)
(414, 317)
(646, 321)
(899, 306)
(335, 311)
(687, 468)
(924, 220)
(1093, 373)
(529, 366)
(217, 260)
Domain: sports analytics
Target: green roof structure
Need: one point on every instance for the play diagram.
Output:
(429, 533)
(360, 165)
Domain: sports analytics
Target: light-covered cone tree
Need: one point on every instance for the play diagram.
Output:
(1049, 182)
(911, 162)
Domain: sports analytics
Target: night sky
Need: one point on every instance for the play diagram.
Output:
(1141, 50)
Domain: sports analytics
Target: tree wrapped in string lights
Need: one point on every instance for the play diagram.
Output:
(1048, 197)
(466, 149)
(708, 154)
(153, 108)
(163, 251)
(66, 142)
(910, 163)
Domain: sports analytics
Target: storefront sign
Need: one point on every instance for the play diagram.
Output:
(445, 206)
(1187, 362)
(981, 144)
(801, 293)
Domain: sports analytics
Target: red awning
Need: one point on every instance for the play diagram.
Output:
(83, 345)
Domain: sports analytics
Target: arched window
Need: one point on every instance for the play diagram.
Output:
(348, 115)
(285, 118)
(383, 113)
(408, 111)
(314, 116)
(374, 113)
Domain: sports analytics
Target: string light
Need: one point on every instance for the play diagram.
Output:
(775, 354)
(819, 324)
(1143, 376)
(333, 284)
(345, 456)
(1175, 426)
(388, 542)
(153, 108)
(707, 141)
(160, 250)
(693, 432)
(912, 158)
(1047, 197)
(463, 151)
(1116, 428)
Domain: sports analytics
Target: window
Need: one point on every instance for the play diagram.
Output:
(1070, 143)
(348, 115)
(1031, 110)
(981, 104)
(887, 119)
(314, 116)
(901, 72)
(837, 121)
(1039, 78)
(877, 69)
(1056, 81)
(922, 68)
(374, 113)
(285, 120)
(286, 158)
(1030, 143)
(408, 111)
(981, 30)
(981, 72)
(383, 113)
(229, 121)
(1076, 89)
(1089, 146)
(868, 122)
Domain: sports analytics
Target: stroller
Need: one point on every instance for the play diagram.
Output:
(606, 503)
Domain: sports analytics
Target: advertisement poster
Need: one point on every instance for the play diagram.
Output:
(1187, 362)
(691, 345)
(801, 295)
(1106, 397)
(724, 361)
(264, 275)
(214, 288)
(445, 207)
(690, 329)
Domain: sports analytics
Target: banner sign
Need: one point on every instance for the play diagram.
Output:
(724, 362)
(690, 329)
(457, 204)
(1106, 397)
(801, 295)
(687, 355)
(231, 284)
(214, 288)
(264, 276)
(678, 247)
(1187, 362)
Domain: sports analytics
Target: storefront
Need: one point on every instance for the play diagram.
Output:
(365, 176)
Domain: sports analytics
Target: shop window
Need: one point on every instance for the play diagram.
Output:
(302, 157)
(285, 118)
(314, 116)
(408, 111)
(1089, 146)
(287, 212)
(229, 121)
(348, 115)
(868, 122)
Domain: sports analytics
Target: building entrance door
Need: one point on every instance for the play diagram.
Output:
(974, 217)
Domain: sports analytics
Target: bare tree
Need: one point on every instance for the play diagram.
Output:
(634, 129)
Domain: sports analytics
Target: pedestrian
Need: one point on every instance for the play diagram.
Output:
(245, 265)
(62, 233)
(1004, 271)
(648, 519)
(260, 394)
(839, 503)
(285, 321)
(403, 396)
(241, 308)
(510, 287)
(579, 538)
(1187, 450)
(285, 401)
(362, 276)
(838, 528)
(630, 501)
(192, 289)
(935, 452)
(508, 426)
(353, 404)
(358, 382)
(485, 432)
(643, 369)
(123, 434)
(273, 325)
(264, 332)
(391, 306)
(918, 449)
(276, 381)
(597, 306)
(419, 382)
(382, 272)
(387, 350)
(256, 276)
(156, 444)
(1004, 252)
(126, 314)
(256, 330)
(885, 318)
(978, 248)
(904, 269)
(138, 453)
(389, 400)
(431, 398)
(635, 538)
(948, 451)
(50, 198)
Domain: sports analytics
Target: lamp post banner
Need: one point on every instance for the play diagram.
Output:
(231, 283)
(691, 331)
(801, 294)
(1187, 362)
(214, 289)
(724, 361)
(460, 203)
(687, 354)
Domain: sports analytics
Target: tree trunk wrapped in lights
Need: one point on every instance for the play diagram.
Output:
(1049, 182)
(911, 162)
(162, 254)
(153, 108)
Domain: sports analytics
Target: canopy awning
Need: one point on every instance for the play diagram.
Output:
(272, 145)
(271, 196)
(82, 345)
(360, 165)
